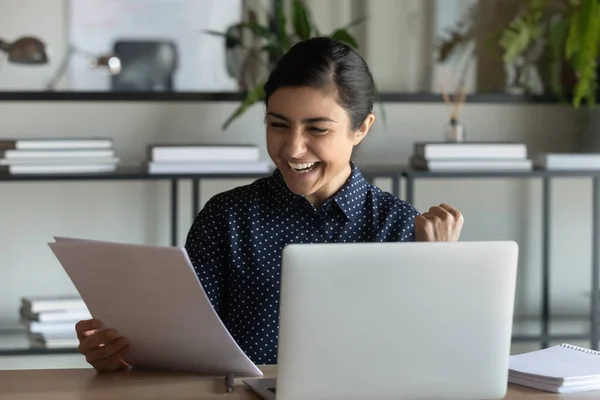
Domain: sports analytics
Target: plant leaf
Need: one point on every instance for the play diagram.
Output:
(257, 29)
(343, 36)
(519, 34)
(300, 20)
(252, 97)
(230, 40)
(586, 57)
(572, 45)
(557, 35)
(281, 22)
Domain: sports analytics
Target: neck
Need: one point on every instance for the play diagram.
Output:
(335, 184)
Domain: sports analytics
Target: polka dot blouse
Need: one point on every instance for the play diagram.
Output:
(236, 241)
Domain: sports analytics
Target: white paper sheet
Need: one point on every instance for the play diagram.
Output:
(152, 296)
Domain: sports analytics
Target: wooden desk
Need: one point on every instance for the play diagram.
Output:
(82, 384)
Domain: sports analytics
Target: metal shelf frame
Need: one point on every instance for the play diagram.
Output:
(546, 176)
(396, 173)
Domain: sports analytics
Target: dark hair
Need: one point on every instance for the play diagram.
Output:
(321, 62)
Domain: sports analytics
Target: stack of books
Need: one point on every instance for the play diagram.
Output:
(470, 156)
(205, 159)
(56, 156)
(50, 321)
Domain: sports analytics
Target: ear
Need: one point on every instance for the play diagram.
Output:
(364, 129)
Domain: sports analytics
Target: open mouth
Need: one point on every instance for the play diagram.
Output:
(304, 167)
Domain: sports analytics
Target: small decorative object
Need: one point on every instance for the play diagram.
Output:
(94, 61)
(454, 130)
(25, 50)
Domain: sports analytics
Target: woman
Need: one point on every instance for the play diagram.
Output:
(319, 107)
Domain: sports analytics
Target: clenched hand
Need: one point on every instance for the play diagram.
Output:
(440, 224)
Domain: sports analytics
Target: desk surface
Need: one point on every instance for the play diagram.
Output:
(81, 384)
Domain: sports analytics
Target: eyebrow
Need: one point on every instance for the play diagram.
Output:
(304, 121)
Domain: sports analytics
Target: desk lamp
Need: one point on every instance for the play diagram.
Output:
(25, 50)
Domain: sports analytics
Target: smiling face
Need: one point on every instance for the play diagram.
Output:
(310, 140)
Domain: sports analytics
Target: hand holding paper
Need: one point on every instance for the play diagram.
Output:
(103, 348)
(152, 297)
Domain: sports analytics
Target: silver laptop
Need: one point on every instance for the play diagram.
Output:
(420, 320)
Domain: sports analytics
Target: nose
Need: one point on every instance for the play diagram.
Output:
(295, 144)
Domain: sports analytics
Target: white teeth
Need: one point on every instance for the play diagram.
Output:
(301, 166)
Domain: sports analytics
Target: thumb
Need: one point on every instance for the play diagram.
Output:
(424, 231)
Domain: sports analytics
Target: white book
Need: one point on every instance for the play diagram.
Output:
(153, 297)
(569, 161)
(203, 153)
(254, 167)
(56, 143)
(57, 315)
(57, 154)
(49, 328)
(41, 304)
(59, 168)
(472, 165)
(470, 150)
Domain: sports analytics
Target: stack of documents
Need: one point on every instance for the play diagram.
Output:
(560, 369)
(152, 296)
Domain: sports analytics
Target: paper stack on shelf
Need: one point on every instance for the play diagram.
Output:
(568, 161)
(470, 156)
(57, 155)
(206, 159)
(50, 321)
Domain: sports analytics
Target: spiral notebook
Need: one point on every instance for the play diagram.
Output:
(561, 369)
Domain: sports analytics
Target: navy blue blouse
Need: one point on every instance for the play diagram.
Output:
(236, 242)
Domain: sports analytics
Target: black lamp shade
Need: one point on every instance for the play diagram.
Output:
(25, 50)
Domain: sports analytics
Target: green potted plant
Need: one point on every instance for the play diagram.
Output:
(569, 31)
(559, 38)
(270, 43)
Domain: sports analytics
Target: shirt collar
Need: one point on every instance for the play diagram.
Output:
(351, 195)
(349, 198)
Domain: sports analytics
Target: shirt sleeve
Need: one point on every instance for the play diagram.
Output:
(207, 246)
(405, 231)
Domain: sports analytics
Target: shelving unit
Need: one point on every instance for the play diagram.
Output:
(13, 343)
(387, 97)
(412, 175)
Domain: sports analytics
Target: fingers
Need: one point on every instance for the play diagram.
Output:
(103, 348)
(452, 211)
(424, 227)
(439, 223)
(99, 338)
(112, 364)
(87, 327)
(109, 353)
(444, 212)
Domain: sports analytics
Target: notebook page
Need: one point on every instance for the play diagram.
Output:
(558, 362)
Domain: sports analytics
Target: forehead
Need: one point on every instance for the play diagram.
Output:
(304, 102)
